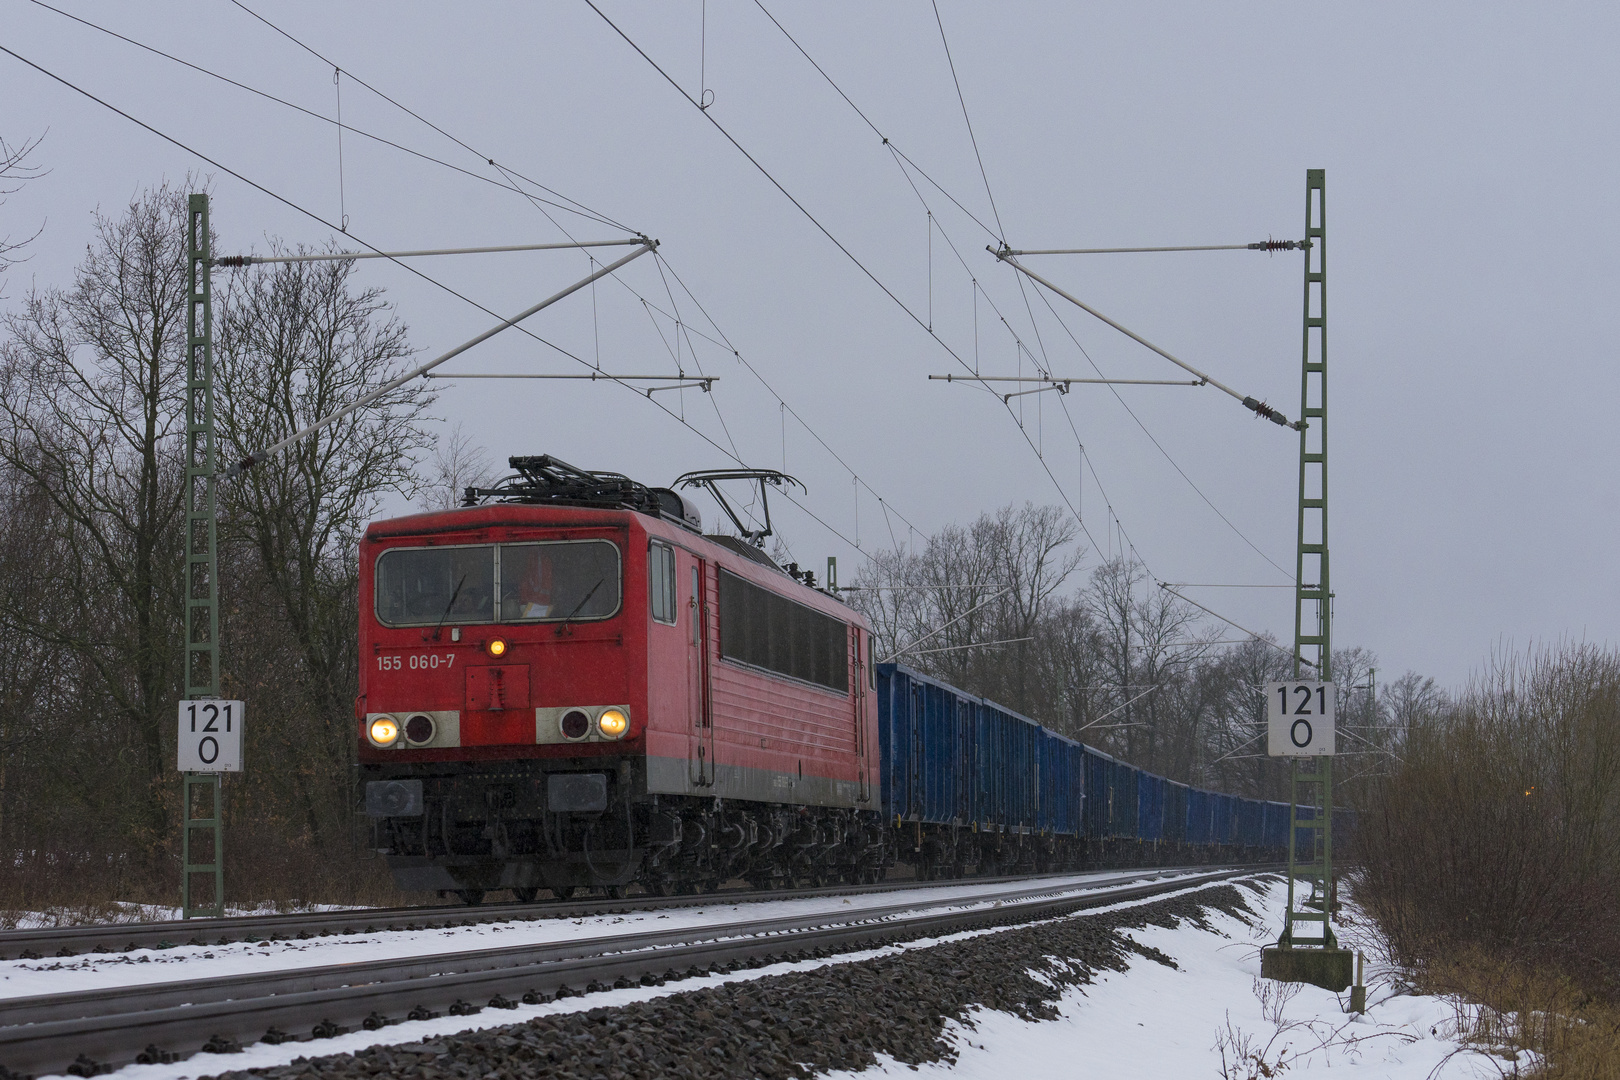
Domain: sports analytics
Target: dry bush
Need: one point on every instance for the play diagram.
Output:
(1490, 857)
(264, 863)
(1497, 827)
(1510, 1003)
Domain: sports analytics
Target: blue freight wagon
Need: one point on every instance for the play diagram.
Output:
(1150, 807)
(971, 787)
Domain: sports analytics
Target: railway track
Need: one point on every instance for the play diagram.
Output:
(94, 1029)
(66, 941)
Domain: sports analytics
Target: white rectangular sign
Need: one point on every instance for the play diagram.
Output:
(1299, 719)
(210, 736)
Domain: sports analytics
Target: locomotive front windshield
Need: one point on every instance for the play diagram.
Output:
(430, 586)
(509, 583)
(567, 580)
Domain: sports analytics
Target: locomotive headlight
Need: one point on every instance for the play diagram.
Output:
(496, 647)
(613, 724)
(575, 724)
(384, 731)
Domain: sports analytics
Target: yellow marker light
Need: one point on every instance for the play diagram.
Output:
(496, 647)
(384, 731)
(613, 724)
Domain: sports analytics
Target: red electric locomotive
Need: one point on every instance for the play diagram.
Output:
(564, 684)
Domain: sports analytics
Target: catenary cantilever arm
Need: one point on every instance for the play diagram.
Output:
(1259, 408)
(394, 384)
(231, 261)
(1262, 245)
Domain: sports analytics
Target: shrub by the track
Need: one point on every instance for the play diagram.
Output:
(840, 1016)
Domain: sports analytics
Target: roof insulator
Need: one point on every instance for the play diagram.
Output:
(1260, 408)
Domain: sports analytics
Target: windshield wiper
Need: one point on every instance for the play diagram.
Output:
(564, 625)
(455, 593)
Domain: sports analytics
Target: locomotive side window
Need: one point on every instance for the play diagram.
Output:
(759, 627)
(569, 579)
(661, 581)
(428, 586)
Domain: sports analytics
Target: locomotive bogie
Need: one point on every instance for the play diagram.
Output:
(535, 824)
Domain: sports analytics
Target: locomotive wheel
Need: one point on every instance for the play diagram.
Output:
(563, 892)
(614, 892)
(471, 897)
(525, 896)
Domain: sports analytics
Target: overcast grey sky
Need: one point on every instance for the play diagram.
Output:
(1471, 161)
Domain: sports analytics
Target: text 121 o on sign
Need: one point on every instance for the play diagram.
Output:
(1299, 719)
(210, 736)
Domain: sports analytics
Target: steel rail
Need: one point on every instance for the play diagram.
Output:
(63, 942)
(50, 1033)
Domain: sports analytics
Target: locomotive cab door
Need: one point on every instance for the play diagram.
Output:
(700, 759)
(860, 675)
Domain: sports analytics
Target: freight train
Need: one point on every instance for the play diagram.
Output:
(566, 685)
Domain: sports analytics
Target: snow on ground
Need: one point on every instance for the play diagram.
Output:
(25, 978)
(120, 912)
(267, 1056)
(1148, 1021)
(1213, 1016)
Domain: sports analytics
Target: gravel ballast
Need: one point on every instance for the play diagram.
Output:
(837, 1017)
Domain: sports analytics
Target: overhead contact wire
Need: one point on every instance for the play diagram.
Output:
(887, 142)
(425, 277)
(735, 454)
(508, 186)
(902, 161)
(1157, 445)
(417, 116)
(1045, 363)
(967, 120)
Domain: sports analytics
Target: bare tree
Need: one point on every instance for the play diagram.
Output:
(1411, 699)
(1168, 646)
(31, 680)
(1032, 554)
(296, 343)
(886, 590)
(14, 172)
(1235, 739)
(1114, 592)
(1070, 669)
(968, 607)
(457, 464)
(91, 414)
(955, 582)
